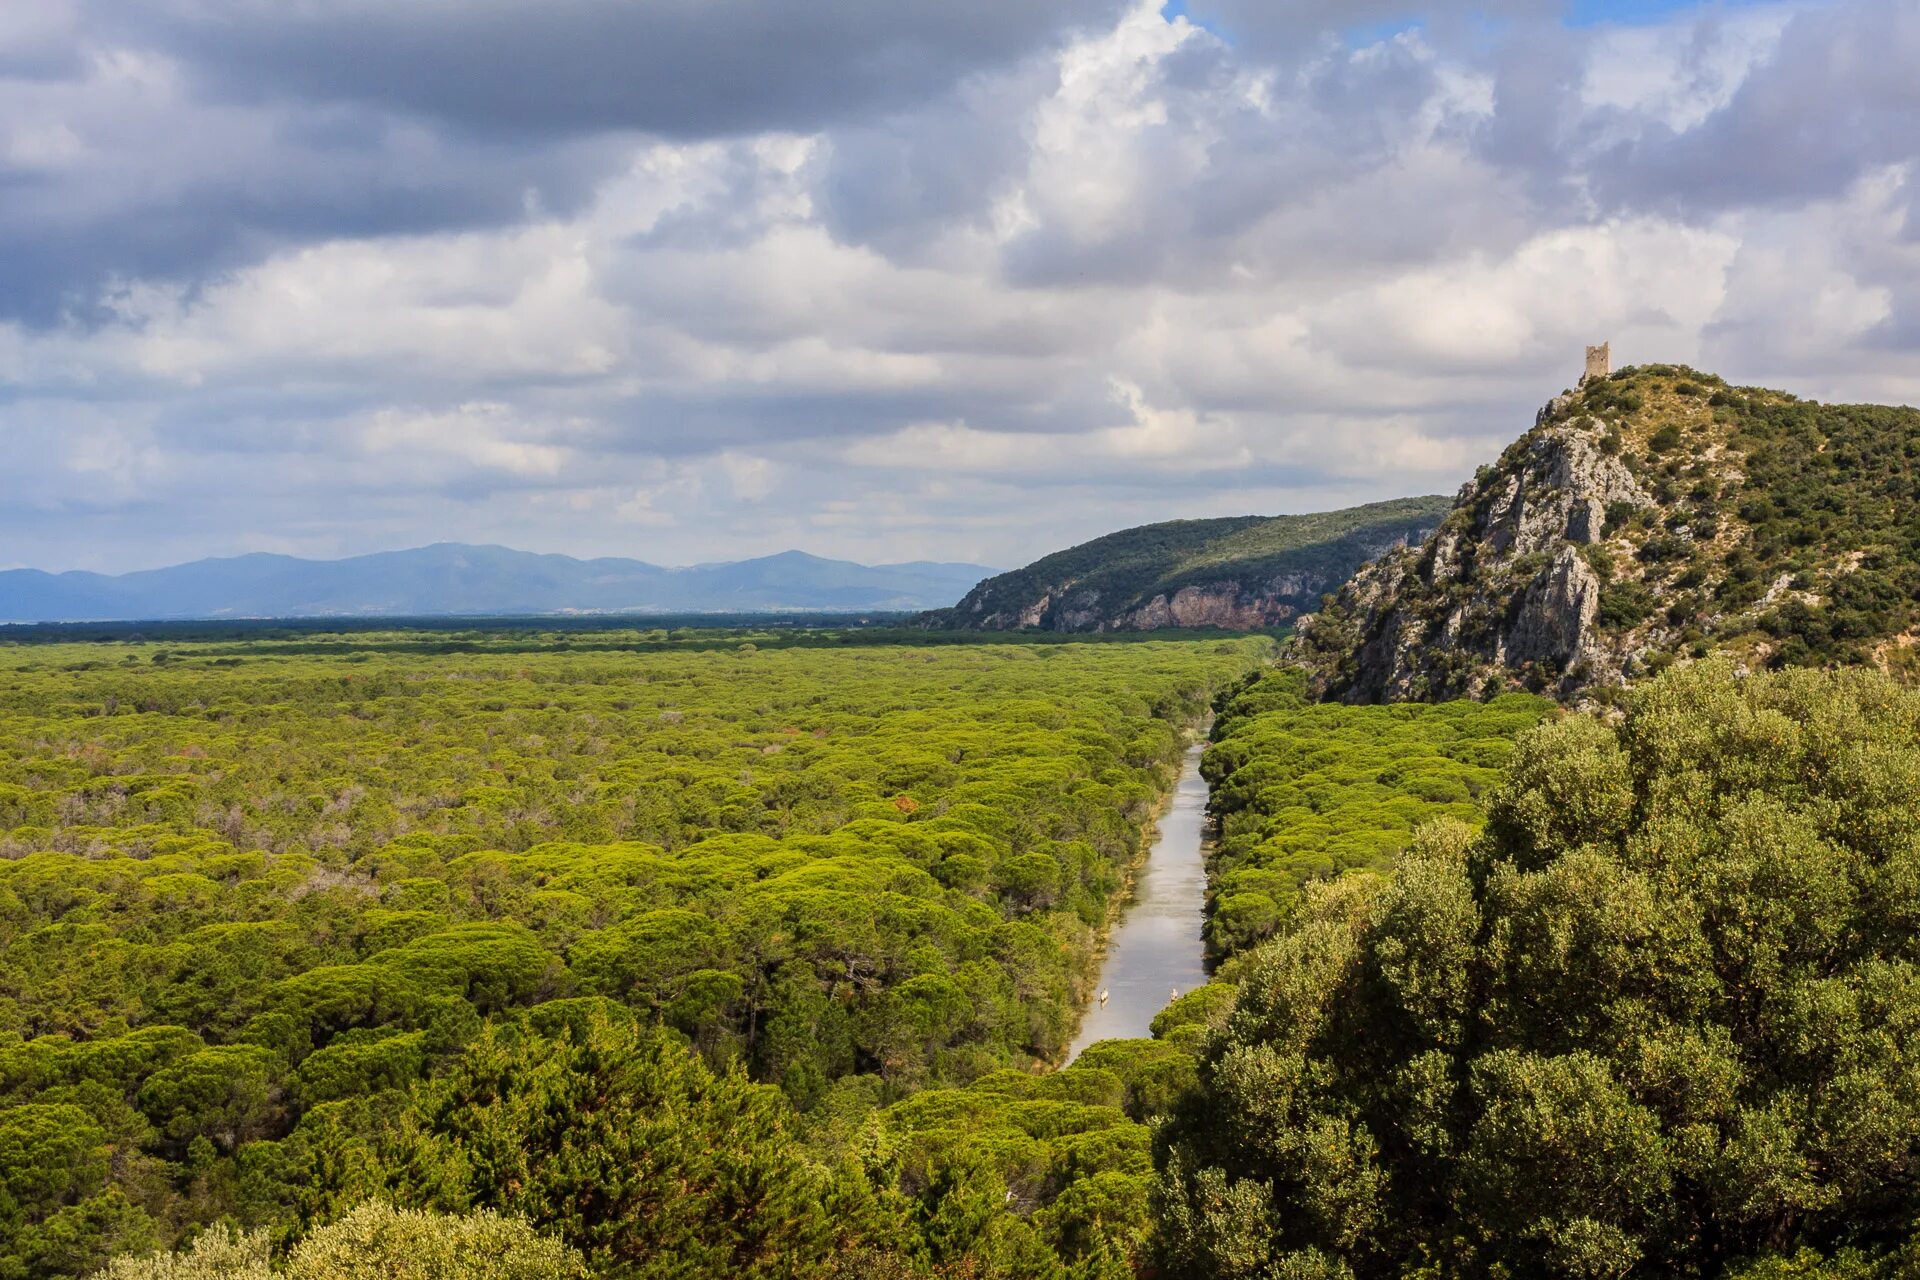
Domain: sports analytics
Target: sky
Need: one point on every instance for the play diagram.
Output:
(895, 279)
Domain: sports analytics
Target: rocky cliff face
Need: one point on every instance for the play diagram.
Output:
(1230, 603)
(1501, 585)
(1241, 573)
(1653, 516)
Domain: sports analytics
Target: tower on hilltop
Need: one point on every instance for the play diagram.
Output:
(1599, 362)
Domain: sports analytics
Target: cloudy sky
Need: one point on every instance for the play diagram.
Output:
(892, 279)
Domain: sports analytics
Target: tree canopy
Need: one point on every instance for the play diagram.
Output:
(371, 1242)
(286, 924)
(1661, 1017)
(1304, 792)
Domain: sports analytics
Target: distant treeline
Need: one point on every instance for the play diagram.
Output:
(491, 626)
(333, 637)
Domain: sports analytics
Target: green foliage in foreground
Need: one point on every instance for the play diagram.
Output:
(1064, 1150)
(643, 1164)
(272, 934)
(1069, 1154)
(1661, 1017)
(373, 1242)
(1305, 792)
(624, 1144)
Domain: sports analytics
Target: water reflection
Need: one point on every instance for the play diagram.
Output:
(1156, 948)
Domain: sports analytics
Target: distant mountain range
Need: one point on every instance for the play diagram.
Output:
(454, 578)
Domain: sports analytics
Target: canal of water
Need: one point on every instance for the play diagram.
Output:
(1156, 950)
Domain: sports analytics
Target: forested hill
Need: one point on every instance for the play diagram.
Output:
(1239, 572)
(1655, 514)
(454, 578)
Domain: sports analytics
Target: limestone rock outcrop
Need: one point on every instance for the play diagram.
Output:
(1655, 515)
(1502, 592)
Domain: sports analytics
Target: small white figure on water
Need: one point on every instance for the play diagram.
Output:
(1103, 998)
(1175, 995)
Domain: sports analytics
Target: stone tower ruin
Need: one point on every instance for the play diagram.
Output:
(1599, 362)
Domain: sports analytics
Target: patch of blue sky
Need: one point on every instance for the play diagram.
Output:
(1575, 13)
(1174, 9)
(1633, 13)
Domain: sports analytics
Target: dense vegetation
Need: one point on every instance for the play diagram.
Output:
(1069, 1153)
(374, 1240)
(1264, 570)
(1794, 520)
(1661, 1017)
(637, 945)
(1653, 515)
(1304, 792)
(660, 953)
(1832, 498)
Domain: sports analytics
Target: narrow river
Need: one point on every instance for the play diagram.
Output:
(1156, 949)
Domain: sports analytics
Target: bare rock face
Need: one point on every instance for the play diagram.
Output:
(1593, 481)
(1655, 515)
(1229, 604)
(1560, 492)
(1502, 586)
(1555, 619)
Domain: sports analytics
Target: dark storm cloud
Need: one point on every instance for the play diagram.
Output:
(1250, 157)
(39, 40)
(108, 171)
(1537, 111)
(677, 68)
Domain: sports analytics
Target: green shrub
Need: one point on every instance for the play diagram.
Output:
(1658, 1016)
(372, 1242)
